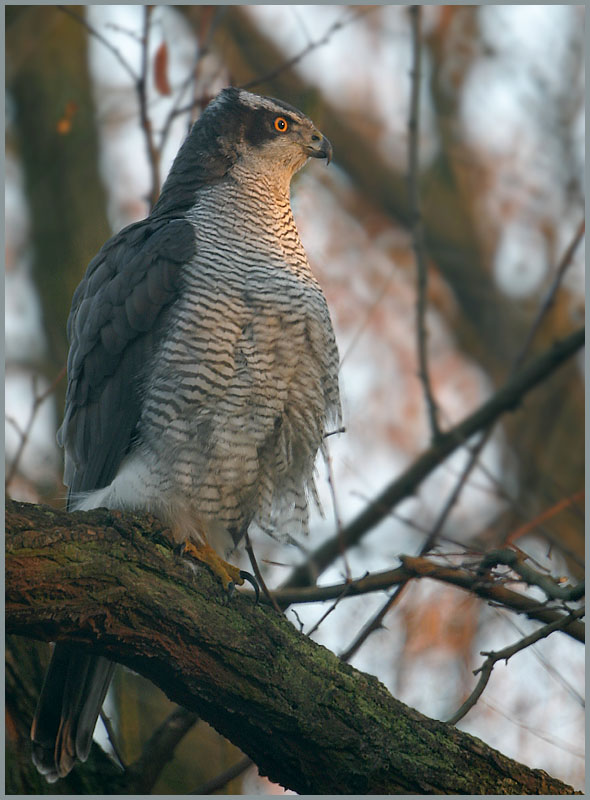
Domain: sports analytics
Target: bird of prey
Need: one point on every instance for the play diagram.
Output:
(202, 371)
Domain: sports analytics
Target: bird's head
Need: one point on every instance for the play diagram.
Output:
(266, 133)
(246, 133)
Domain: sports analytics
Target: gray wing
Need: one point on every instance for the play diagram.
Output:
(117, 311)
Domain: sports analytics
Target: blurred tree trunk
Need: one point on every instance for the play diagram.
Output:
(49, 84)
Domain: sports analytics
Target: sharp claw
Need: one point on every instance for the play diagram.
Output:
(251, 580)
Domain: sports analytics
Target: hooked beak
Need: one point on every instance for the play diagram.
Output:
(321, 147)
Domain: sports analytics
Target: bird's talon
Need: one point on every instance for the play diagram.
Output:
(246, 576)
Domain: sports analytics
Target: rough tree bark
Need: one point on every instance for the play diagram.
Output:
(112, 584)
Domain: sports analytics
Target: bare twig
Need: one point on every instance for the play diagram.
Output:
(337, 517)
(217, 783)
(112, 738)
(210, 19)
(159, 749)
(547, 584)
(416, 223)
(504, 655)
(341, 596)
(501, 491)
(258, 575)
(549, 299)
(38, 400)
(141, 86)
(529, 526)
(547, 665)
(291, 62)
(364, 323)
(455, 494)
(175, 111)
(374, 624)
(99, 37)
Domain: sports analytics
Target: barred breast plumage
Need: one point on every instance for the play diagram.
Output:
(244, 383)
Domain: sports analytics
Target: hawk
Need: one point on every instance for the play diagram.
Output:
(202, 370)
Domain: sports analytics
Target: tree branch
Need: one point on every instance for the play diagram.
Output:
(416, 222)
(516, 561)
(416, 567)
(505, 399)
(111, 583)
(503, 655)
(229, 774)
(142, 774)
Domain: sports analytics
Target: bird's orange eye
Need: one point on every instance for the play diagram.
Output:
(281, 124)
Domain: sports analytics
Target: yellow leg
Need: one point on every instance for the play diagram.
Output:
(228, 574)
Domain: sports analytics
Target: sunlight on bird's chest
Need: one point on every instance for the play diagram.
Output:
(243, 227)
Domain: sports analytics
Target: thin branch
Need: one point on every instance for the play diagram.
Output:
(453, 498)
(159, 750)
(345, 591)
(364, 323)
(217, 783)
(204, 38)
(112, 738)
(99, 37)
(374, 624)
(549, 667)
(560, 506)
(546, 583)
(291, 62)
(549, 299)
(258, 574)
(112, 26)
(416, 222)
(568, 747)
(501, 491)
(175, 111)
(337, 516)
(504, 655)
(141, 85)
(505, 399)
(38, 400)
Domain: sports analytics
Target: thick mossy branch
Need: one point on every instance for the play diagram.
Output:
(112, 583)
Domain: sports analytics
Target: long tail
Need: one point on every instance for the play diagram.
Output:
(71, 698)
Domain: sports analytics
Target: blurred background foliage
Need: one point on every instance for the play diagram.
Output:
(501, 152)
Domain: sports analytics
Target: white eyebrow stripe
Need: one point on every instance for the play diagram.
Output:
(256, 101)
